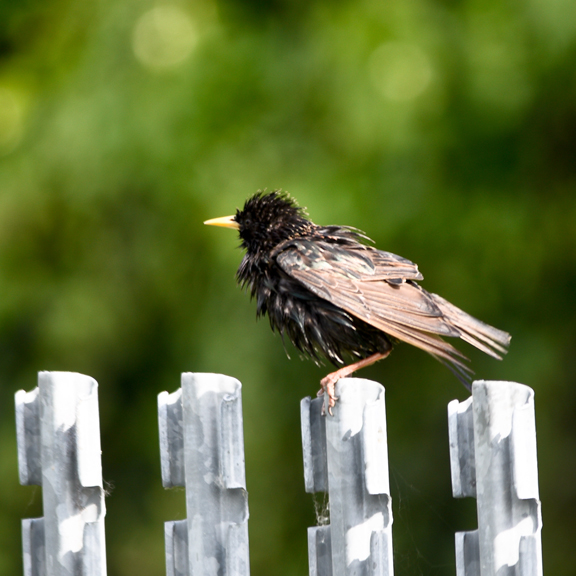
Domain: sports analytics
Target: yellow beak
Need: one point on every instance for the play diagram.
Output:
(224, 221)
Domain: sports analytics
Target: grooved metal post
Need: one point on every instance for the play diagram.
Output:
(347, 455)
(58, 435)
(202, 448)
(493, 458)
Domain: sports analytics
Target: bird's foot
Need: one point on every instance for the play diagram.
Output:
(328, 385)
(329, 382)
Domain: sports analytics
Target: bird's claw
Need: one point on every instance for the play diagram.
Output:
(328, 385)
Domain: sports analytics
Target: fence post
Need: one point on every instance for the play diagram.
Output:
(347, 455)
(58, 434)
(202, 448)
(493, 458)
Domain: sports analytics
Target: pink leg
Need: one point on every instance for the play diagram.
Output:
(329, 382)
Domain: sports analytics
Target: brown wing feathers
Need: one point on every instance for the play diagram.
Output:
(331, 293)
(377, 287)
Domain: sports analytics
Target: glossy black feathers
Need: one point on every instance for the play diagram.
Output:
(333, 295)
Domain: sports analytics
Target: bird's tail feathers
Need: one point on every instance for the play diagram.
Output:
(483, 336)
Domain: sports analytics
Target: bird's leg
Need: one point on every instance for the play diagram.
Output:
(329, 382)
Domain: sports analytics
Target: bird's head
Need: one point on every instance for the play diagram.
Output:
(266, 219)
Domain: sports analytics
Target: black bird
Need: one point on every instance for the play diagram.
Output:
(334, 295)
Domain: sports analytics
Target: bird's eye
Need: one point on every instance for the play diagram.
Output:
(247, 222)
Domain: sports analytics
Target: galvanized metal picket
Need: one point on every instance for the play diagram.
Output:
(493, 458)
(202, 448)
(58, 434)
(492, 454)
(347, 456)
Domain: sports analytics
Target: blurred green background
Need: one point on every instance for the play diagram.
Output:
(446, 129)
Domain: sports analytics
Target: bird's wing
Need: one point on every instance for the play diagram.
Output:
(390, 267)
(370, 264)
(372, 285)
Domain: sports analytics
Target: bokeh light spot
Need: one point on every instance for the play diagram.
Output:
(164, 37)
(11, 119)
(400, 71)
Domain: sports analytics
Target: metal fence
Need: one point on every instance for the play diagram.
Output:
(492, 455)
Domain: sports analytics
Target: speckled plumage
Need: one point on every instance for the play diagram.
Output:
(333, 295)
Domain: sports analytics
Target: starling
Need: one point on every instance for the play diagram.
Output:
(334, 295)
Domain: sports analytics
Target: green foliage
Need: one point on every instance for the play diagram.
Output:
(446, 130)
